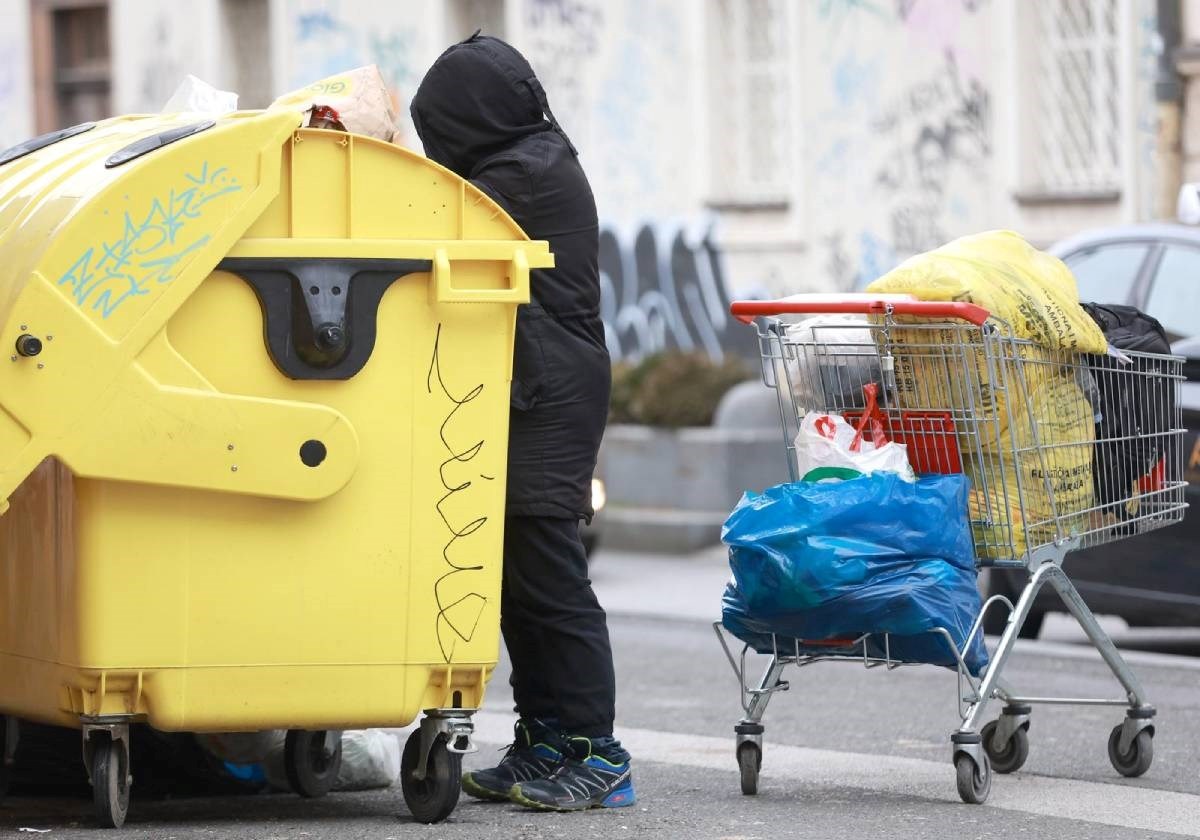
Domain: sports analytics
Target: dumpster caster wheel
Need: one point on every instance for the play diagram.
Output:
(312, 760)
(1013, 755)
(1140, 756)
(110, 781)
(431, 799)
(974, 781)
(749, 758)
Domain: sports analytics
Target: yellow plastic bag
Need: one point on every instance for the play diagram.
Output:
(1030, 290)
(1035, 480)
(1025, 425)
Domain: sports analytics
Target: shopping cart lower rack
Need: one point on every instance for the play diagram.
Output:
(966, 395)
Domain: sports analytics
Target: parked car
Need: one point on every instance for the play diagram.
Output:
(1150, 580)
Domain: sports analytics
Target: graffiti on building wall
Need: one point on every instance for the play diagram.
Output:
(327, 39)
(907, 9)
(663, 288)
(839, 12)
(618, 76)
(904, 160)
(562, 38)
(327, 43)
(937, 125)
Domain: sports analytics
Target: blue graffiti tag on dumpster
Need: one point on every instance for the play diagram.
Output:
(151, 246)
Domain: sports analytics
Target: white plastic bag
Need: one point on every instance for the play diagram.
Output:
(835, 356)
(370, 759)
(196, 96)
(827, 440)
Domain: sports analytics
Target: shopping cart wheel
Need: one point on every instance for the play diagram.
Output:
(1140, 756)
(749, 758)
(974, 782)
(312, 760)
(1012, 757)
(110, 780)
(432, 799)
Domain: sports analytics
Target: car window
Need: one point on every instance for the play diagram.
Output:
(1175, 293)
(1106, 273)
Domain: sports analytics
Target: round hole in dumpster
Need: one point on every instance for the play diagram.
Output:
(312, 453)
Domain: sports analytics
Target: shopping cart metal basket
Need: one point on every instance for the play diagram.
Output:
(966, 395)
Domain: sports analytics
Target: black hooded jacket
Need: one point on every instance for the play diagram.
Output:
(481, 112)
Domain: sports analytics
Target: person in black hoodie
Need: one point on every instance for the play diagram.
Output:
(482, 113)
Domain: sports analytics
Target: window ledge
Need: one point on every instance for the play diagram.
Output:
(748, 205)
(1039, 198)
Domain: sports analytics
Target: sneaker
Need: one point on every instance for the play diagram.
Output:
(578, 784)
(527, 759)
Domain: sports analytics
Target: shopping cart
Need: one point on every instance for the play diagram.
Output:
(966, 395)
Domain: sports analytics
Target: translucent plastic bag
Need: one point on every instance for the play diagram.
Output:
(196, 96)
(836, 355)
(370, 759)
(817, 561)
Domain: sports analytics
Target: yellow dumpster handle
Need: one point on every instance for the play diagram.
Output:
(518, 291)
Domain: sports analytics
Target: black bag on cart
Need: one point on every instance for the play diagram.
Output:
(1127, 451)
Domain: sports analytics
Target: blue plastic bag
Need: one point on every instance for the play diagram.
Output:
(873, 554)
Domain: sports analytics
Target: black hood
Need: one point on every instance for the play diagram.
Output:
(479, 97)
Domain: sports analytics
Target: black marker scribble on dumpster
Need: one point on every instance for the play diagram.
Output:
(450, 614)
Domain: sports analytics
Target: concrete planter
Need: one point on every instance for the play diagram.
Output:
(669, 490)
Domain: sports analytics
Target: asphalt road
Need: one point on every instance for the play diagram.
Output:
(849, 753)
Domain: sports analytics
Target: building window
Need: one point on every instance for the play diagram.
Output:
(750, 90)
(72, 65)
(1077, 113)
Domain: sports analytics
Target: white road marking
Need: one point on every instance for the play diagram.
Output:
(1125, 806)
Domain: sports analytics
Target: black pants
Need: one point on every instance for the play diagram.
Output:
(555, 629)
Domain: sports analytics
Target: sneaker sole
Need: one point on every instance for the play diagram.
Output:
(472, 788)
(516, 796)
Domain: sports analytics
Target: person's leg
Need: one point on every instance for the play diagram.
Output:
(537, 747)
(547, 585)
(532, 696)
(555, 598)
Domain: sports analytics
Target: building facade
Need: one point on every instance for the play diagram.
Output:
(770, 146)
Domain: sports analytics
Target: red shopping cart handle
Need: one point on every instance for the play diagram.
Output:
(747, 310)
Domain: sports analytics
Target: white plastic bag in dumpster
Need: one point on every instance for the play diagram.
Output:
(828, 441)
(197, 96)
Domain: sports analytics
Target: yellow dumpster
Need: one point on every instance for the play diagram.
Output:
(252, 440)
